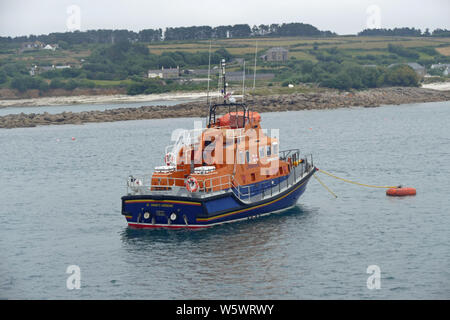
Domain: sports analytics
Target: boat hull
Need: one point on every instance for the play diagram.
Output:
(172, 212)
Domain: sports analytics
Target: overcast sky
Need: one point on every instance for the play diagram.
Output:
(24, 17)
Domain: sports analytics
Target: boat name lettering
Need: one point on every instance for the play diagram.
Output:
(164, 205)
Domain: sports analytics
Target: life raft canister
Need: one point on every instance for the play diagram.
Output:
(191, 184)
(231, 118)
(401, 192)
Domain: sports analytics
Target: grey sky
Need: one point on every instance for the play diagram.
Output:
(20, 17)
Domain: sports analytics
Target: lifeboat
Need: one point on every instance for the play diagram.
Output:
(401, 192)
(229, 171)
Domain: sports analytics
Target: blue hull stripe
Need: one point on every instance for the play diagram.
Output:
(218, 209)
(250, 208)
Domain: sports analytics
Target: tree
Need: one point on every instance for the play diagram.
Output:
(70, 85)
(371, 76)
(402, 75)
(241, 31)
(23, 83)
(341, 81)
(167, 62)
(411, 32)
(222, 53)
(355, 73)
(56, 84)
(3, 76)
(19, 83)
(63, 44)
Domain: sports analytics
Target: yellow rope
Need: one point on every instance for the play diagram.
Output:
(323, 185)
(357, 183)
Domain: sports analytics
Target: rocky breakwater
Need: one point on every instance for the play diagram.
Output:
(327, 99)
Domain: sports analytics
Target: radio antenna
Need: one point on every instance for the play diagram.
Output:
(254, 71)
(209, 73)
(243, 84)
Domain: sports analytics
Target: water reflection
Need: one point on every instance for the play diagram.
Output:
(267, 225)
(216, 260)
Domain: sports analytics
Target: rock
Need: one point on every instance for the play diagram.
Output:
(323, 99)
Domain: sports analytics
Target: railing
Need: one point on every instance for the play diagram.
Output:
(148, 184)
(298, 169)
(294, 154)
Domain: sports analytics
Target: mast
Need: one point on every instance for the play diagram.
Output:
(208, 99)
(213, 107)
(223, 64)
(209, 74)
(254, 71)
(243, 84)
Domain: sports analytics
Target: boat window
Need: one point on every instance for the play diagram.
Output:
(275, 148)
(247, 156)
(241, 157)
(253, 176)
(269, 151)
(262, 152)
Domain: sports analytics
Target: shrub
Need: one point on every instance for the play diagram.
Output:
(402, 75)
(23, 83)
(3, 77)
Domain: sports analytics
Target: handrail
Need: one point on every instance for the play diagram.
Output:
(284, 154)
(226, 182)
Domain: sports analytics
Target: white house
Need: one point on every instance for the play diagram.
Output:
(170, 73)
(442, 66)
(50, 47)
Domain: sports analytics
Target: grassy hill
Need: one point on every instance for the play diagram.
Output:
(327, 62)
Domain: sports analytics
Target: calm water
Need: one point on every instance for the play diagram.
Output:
(87, 107)
(61, 206)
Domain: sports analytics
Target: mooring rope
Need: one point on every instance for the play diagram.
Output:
(357, 183)
(323, 185)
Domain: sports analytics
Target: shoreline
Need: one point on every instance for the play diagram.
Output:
(272, 103)
(101, 99)
(123, 98)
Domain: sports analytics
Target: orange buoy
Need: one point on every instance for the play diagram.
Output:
(401, 192)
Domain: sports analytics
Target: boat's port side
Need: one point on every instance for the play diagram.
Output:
(217, 215)
(151, 211)
(262, 187)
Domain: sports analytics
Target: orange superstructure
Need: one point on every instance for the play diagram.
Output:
(227, 148)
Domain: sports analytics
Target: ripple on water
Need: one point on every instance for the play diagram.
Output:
(61, 206)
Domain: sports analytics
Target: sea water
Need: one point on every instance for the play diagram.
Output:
(63, 236)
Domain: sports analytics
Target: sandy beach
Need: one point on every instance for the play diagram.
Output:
(123, 98)
(441, 86)
(102, 99)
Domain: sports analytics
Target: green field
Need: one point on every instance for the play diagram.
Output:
(300, 46)
(318, 61)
